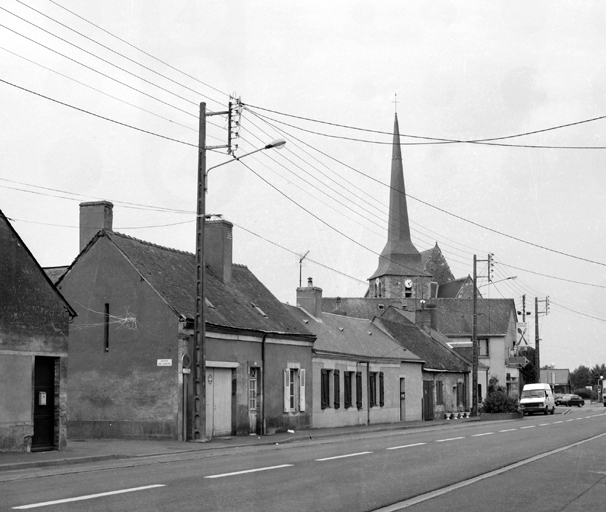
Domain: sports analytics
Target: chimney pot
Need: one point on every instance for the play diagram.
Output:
(310, 281)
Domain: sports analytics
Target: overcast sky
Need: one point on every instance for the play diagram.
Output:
(130, 76)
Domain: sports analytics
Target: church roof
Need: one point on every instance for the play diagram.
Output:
(454, 316)
(435, 263)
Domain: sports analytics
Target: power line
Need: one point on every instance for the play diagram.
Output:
(440, 140)
(98, 115)
(138, 49)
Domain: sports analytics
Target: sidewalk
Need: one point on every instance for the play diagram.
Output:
(81, 451)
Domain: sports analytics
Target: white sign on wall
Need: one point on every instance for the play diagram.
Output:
(165, 362)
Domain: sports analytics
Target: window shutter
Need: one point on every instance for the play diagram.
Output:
(324, 388)
(302, 390)
(286, 390)
(381, 389)
(359, 390)
(347, 390)
(337, 389)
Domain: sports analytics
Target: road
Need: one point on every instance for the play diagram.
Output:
(536, 463)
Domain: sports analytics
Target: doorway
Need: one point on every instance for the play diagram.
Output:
(218, 402)
(44, 404)
(427, 400)
(402, 399)
(253, 402)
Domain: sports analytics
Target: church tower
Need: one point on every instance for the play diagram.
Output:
(400, 273)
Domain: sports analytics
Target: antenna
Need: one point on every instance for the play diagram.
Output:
(301, 267)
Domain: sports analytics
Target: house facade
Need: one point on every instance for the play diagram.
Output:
(131, 351)
(361, 374)
(34, 328)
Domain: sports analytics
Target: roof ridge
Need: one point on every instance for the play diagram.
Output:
(145, 242)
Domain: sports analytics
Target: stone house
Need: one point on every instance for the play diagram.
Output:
(361, 374)
(131, 345)
(34, 327)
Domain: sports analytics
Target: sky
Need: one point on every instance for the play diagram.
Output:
(101, 100)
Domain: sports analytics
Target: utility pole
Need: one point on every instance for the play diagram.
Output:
(537, 356)
(474, 331)
(197, 409)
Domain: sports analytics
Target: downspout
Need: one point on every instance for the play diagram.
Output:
(263, 427)
(368, 392)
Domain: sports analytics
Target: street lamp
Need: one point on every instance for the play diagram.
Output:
(198, 408)
(499, 281)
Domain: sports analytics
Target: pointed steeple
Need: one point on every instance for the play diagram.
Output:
(399, 257)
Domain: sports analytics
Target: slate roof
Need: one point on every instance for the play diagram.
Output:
(244, 303)
(437, 356)
(451, 289)
(352, 338)
(435, 264)
(454, 316)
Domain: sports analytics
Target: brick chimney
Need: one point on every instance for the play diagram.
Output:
(310, 299)
(218, 247)
(94, 216)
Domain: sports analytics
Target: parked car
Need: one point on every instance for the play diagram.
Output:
(569, 400)
(558, 398)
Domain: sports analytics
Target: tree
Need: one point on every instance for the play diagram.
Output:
(580, 377)
(497, 399)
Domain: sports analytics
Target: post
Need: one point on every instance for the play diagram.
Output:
(537, 360)
(198, 411)
(474, 342)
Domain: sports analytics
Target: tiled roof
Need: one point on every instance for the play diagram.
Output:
(436, 355)
(435, 264)
(451, 289)
(244, 303)
(454, 316)
(353, 337)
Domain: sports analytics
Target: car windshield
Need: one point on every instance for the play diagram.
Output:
(533, 393)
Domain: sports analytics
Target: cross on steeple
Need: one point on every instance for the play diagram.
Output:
(395, 102)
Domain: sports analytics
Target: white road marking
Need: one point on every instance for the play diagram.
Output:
(450, 439)
(89, 497)
(572, 419)
(529, 426)
(544, 424)
(342, 456)
(445, 490)
(561, 421)
(508, 430)
(405, 446)
(248, 471)
(484, 434)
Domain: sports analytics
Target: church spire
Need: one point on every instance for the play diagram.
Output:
(399, 257)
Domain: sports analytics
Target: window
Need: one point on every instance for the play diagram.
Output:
(483, 347)
(325, 388)
(294, 390)
(439, 392)
(372, 397)
(337, 389)
(359, 390)
(347, 395)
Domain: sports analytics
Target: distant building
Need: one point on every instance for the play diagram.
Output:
(34, 320)
(559, 378)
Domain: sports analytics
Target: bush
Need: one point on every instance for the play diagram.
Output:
(497, 400)
(585, 393)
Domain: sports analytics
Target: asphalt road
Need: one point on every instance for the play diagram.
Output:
(557, 462)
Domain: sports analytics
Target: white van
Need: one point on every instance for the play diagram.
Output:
(537, 398)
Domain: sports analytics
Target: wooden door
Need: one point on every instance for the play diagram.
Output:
(44, 404)
(253, 393)
(427, 400)
(218, 402)
(402, 399)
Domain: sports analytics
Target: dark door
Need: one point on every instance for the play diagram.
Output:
(44, 404)
(427, 400)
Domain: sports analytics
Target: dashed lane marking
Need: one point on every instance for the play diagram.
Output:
(342, 456)
(529, 426)
(449, 439)
(508, 430)
(88, 497)
(248, 471)
(484, 434)
(405, 446)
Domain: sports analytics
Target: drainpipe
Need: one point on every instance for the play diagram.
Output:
(368, 392)
(263, 427)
